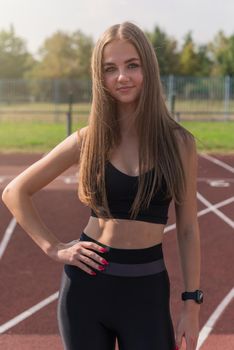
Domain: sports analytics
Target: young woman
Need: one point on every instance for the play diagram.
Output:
(133, 160)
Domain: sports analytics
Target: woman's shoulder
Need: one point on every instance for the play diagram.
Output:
(81, 133)
(186, 142)
(184, 137)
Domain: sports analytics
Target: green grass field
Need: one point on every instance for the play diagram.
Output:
(180, 105)
(213, 136)
(20, 136)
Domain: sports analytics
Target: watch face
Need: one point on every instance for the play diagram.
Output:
(199, 296)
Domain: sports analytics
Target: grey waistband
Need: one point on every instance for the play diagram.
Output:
(135, 269)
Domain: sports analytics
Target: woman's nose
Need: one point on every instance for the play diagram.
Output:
(122, 76)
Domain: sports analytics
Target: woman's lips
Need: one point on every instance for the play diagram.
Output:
(125, 88)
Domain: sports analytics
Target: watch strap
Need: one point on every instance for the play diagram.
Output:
(197, 296)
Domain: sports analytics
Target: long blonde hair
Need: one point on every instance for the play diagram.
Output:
(158, 144)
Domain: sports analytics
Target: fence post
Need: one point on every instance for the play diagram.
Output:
(226, 96)
(56, 99)
(171, 95)
(69, 114)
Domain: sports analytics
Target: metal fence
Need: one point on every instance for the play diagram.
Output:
(200, 98)
(187, 97)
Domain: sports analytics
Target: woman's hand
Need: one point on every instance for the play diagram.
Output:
(188, 325)
(79, 253)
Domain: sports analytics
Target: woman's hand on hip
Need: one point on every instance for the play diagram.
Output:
(80, 254)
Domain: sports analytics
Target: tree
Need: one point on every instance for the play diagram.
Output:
(223, 54)
(188, 62)
(83, 46)
(166, 51)
(205, 61)
(15, 60)
(194, 60)
(64, 56)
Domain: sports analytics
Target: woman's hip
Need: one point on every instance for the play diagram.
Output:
(133, 274)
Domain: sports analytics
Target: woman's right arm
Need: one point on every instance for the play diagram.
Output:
(17, 197)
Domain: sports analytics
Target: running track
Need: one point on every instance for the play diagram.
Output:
(29, 280)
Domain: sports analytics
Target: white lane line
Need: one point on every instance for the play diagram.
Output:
(204, 211)
(218, 205)
(169, 228)
(218, 162)
(207, 328)
(14, 321)
(70, 179)
(7, 236)
(210, 179)
(219, 183)
(216, 211)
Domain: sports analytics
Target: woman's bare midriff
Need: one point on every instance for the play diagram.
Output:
(126, 234)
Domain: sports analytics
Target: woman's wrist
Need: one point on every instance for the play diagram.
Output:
(52, 250)
(191, 306)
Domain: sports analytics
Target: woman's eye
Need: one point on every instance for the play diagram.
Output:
(109, 69)
(133, 65)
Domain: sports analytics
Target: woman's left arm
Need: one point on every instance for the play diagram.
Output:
(188, 238)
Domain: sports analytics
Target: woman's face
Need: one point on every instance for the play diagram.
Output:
(122, 71)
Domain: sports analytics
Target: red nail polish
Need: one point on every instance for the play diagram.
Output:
(93, 273)
(104, 262)
(103, 250)
(101, 268)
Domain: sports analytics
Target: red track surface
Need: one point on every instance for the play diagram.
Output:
(28, 276)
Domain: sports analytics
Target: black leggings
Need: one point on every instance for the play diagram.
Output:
(95, 310)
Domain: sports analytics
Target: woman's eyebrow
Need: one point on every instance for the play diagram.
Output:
(127, 61)
(132, 59)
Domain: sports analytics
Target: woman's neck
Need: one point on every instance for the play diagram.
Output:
(125, 115)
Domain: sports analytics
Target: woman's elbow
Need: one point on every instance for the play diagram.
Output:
(7, 195)
(10, 193)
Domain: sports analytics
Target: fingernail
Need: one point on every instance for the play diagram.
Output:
(103, 250)
(93, 273)
(104, 262)
(101, 268)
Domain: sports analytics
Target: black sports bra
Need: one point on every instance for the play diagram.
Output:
(121, 190)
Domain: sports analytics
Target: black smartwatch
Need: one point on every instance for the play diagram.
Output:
(197, 296)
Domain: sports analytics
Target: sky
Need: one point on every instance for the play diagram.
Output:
(34, 20)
